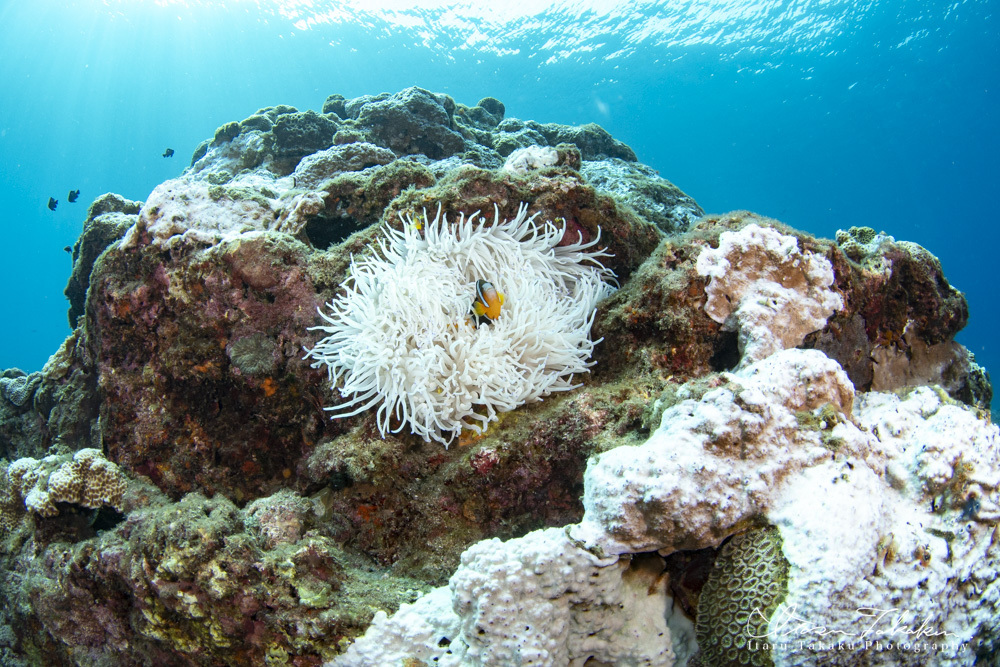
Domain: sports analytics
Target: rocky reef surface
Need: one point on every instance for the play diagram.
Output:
(776, 431)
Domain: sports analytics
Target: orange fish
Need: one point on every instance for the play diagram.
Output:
(488, 300)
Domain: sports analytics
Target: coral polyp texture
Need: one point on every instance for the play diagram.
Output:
(743, 591)
(401, 336)
(776, 431)
(17, 387)
(86, 479)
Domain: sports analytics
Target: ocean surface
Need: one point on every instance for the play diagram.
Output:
(821, 113)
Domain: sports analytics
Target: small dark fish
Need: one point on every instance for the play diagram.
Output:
(73, 196)
(68, 249)
(53, 203)
(168, 153)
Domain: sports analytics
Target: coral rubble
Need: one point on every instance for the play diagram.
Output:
(776, 431)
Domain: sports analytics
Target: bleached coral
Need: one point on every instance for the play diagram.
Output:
(902, 565)
(886, 510)
(400, 337)
(531, 158)
(86, 479)
(187, 210)
(767, 290)
(183, 209)
(421, 631)
(535, 601)
(716, 462)
(882, 503)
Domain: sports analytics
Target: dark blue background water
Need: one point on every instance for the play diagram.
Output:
(821, 114)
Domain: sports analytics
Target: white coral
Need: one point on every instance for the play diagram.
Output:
(538, 601)
(904, 565)
(531, 158)
(767, 290)
(887, 507)
(400, 337)
(716, 462)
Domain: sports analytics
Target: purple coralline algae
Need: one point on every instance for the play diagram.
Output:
(767, 420)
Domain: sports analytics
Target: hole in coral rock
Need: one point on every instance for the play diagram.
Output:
(339, 480)
(687, 573)
(323, 231)
(106, 518)
(74, 523)
(726, 353)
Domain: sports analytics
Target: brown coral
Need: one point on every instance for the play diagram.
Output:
(87, 479)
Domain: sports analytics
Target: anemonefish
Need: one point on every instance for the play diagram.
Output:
(488, 300)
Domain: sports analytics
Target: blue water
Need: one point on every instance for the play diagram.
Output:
(823, 114)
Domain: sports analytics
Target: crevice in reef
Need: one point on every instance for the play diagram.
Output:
(325, 231)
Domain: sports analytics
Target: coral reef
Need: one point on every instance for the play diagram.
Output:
(731, 449)
(640, 187)
(921, 541)
(758, 401)
(887, 513)
(195, 582)
(59, 409)
(108, 218)
(198, 362)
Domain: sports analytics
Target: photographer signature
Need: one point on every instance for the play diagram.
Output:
(787, 623)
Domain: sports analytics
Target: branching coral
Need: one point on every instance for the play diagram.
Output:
(400, 336)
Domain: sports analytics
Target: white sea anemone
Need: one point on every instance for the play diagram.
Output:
(400, 336)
